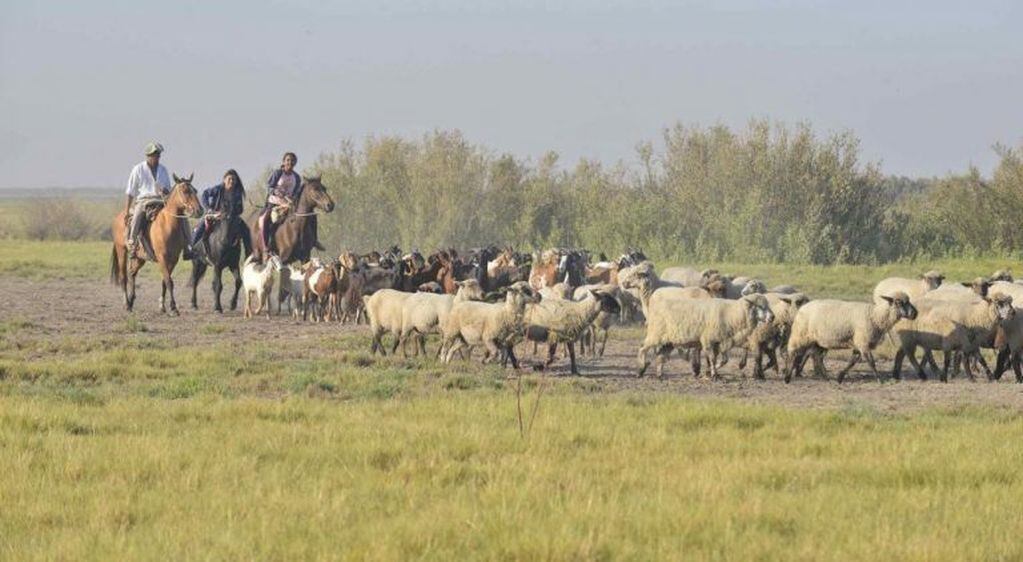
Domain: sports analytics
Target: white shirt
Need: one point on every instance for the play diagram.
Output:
(141, 182)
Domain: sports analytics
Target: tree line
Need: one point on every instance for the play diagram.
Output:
(769, 193)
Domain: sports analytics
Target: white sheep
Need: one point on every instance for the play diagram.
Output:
(560, 290)
(258, 280)
(562, 321)
(913, 288)
(497, 326)
(714, 325)
(950, 326)
(423, 313)
(384, 309)
(823, 325)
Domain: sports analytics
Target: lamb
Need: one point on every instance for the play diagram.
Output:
(497, 326)
(769, 336)
(824, 325)
(423, 313)
(258, 279)
(740, 286)
(384, 309)
(951, 327)
(750, 287)
(913, 288)
(557, 321)
(710, 324)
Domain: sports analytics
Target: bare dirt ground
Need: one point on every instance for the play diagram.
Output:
(89, 309)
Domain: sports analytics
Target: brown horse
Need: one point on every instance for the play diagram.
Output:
(167, 233)
(295, 238)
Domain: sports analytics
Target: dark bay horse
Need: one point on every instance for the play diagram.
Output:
(295, 238)
(221, 249)
(167, 233)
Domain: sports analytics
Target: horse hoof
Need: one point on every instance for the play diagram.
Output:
(174, 312)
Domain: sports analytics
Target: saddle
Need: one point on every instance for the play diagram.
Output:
(144, 249)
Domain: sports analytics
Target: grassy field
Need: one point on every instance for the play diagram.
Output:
(141, 440)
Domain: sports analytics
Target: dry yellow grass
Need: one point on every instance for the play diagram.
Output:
(446, 475)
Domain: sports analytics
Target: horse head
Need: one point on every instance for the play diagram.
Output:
(313, 190)
(184, 197)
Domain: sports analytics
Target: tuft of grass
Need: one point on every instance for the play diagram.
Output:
(213, 329)
(132, 325)
(15, 325)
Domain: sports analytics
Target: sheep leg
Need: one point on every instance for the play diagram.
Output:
(641, 358)
(920, 372)
(745, 357)
(987, 371)
(715, 352)
(772, 360)
(394, 348)
(873, 365)
(852, 361)
(603, 342)
(818, 364)
(452, 345)
(492, 351)
(265, 304)
(1016, 367)
(944, 372)
(662, 356)
(900, 355)
(571, 356)
(511, 357)
(798, 357)
(551, 348)
(421, 340)
(929, 360)
(967, 365)
(1001, 364)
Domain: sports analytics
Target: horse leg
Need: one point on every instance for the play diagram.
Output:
(218, 286)
(169, 284)
(194, 282)
(163, 295)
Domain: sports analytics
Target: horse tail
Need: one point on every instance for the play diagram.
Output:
(115, 266)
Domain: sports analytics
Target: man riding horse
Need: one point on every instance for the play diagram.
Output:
(148, 185)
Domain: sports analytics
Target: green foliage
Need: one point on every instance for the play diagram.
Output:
(769, 194)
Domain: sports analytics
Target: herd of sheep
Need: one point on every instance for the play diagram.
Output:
(493, 299)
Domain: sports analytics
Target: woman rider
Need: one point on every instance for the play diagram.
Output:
(282, 190)
(225, 201)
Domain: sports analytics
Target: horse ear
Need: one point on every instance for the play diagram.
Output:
(190, 176)
(176, 178)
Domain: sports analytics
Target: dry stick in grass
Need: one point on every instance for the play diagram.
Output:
(518, 405)
(526, 430)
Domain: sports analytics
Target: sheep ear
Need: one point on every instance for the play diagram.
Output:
(786, 300)
(967, 285)
(889, 299)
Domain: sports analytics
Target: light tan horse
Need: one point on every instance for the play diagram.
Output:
(167, 232)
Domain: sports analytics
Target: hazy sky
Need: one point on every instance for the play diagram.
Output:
(929, 87)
